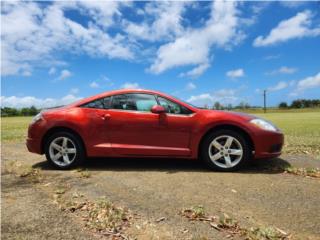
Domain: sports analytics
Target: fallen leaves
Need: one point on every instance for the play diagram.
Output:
(83, 173)
(34, 175)
(306, 172)
(60, 190)
(101, 216)
(268, 233)
(194, 213)
(31, 173)
(225, 223)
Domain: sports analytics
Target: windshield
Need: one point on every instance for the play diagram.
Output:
(184, 102)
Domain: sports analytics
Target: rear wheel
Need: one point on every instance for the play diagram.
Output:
(64, 150)
(225, 150)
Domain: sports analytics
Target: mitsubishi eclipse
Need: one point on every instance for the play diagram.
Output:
(145, 123)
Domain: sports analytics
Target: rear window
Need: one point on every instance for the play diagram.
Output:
(102, 103)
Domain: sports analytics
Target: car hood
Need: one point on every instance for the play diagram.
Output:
(244, 116)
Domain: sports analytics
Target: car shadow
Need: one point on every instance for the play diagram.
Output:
(267, 166)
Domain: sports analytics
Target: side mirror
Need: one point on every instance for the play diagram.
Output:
(158, 109)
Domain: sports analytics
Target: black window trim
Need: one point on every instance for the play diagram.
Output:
(153, 94)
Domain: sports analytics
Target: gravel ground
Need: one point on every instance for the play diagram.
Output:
(260, 195)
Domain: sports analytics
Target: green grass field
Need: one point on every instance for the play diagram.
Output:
(14, 129)
(301, 129)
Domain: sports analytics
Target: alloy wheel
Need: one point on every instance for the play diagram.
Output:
(62, 151)
(225, 151)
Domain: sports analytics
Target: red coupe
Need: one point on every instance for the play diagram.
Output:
(143, 123)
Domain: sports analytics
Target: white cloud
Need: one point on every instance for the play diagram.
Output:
(194, 45)
(52, 71)
(28, 101)
(190, 86)
(64, 74)
(235, 73)
(259, 6)
(26, 73)
(196, 72)
(94, 85)
(298, 26)
(102, 12)
(224, 96)
(106, 81)
(166, 16)
(287, 70)
(283, 70)
(74, 90)
(272, 57)
(32, 33)
(279, 86)
(292, 4)
(102, 82)
(130, 85)
(201, 99)
(309, 82)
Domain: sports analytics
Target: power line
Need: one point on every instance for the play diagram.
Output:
(265, 101)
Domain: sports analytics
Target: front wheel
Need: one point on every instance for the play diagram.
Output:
(225, 150)
(64, 150)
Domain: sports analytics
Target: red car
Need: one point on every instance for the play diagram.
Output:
(143, 123)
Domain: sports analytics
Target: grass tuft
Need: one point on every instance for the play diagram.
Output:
(33, 175)
(193, 213)
(100, 216)
(268, 233)
(306, 172)
(227, 224)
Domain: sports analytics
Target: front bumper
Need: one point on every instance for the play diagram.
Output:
(35, 134)
(268, 144)
(33, 145)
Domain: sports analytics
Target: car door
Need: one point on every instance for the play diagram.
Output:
(134, 130)
(179, 122)
(96, 129)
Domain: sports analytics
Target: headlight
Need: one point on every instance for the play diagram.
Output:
(36, 118)
(263, 124)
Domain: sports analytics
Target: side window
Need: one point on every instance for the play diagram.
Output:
(102, 103)
(134, 102)
(119, 102)
(172, 107)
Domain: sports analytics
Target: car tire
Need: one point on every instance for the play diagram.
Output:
(64, 150)
(225, 150)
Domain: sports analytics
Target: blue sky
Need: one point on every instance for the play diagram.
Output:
(53, 53)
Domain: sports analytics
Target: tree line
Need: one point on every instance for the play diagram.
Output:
(218, 106)
(9, 112)
(301, 103)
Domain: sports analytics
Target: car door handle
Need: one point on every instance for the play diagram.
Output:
(105, 116)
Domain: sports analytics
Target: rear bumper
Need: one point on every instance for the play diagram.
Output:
(268, 144)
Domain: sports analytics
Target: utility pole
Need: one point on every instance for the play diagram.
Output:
(265, 101)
